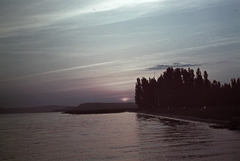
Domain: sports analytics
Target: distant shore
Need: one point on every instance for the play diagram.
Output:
(35, 109)
(224, 115)
(205, 114)
(221, 115)
(101, 108)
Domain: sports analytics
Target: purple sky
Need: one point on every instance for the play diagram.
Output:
(70, 52)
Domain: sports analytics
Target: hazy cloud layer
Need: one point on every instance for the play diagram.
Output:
(77, 51)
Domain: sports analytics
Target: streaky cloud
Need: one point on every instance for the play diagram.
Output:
(175, 65)
(59, 70)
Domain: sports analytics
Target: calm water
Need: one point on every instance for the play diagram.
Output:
(124, 136)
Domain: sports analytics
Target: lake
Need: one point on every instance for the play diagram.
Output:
(105, 137)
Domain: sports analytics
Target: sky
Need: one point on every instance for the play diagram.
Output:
(58, 52)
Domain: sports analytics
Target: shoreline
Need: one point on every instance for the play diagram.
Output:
(231, 123)
(183, 118)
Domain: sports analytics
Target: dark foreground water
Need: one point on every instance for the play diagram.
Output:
(123, 136)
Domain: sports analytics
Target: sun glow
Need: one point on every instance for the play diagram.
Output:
(125, 99)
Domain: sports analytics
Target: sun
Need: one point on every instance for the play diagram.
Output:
(125, 99)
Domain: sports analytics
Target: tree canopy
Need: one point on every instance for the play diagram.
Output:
(184, 88)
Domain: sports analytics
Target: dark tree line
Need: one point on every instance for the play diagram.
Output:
(184, 88)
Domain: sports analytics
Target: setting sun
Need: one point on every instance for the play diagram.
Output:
(124, 99)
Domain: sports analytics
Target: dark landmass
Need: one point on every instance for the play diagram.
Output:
(219, 117)
(223, 113)
(99, 108)
(184, 93)
(37, 109)
(211, 113)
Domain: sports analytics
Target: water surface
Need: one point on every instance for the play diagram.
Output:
(122, 136)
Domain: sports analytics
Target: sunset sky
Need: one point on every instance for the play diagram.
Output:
(70, 52)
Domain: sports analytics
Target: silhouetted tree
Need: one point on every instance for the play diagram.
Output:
(139, 94)
(206, 89)
(180, 87)
(161, 92)
(153, 93)
(198, 88)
